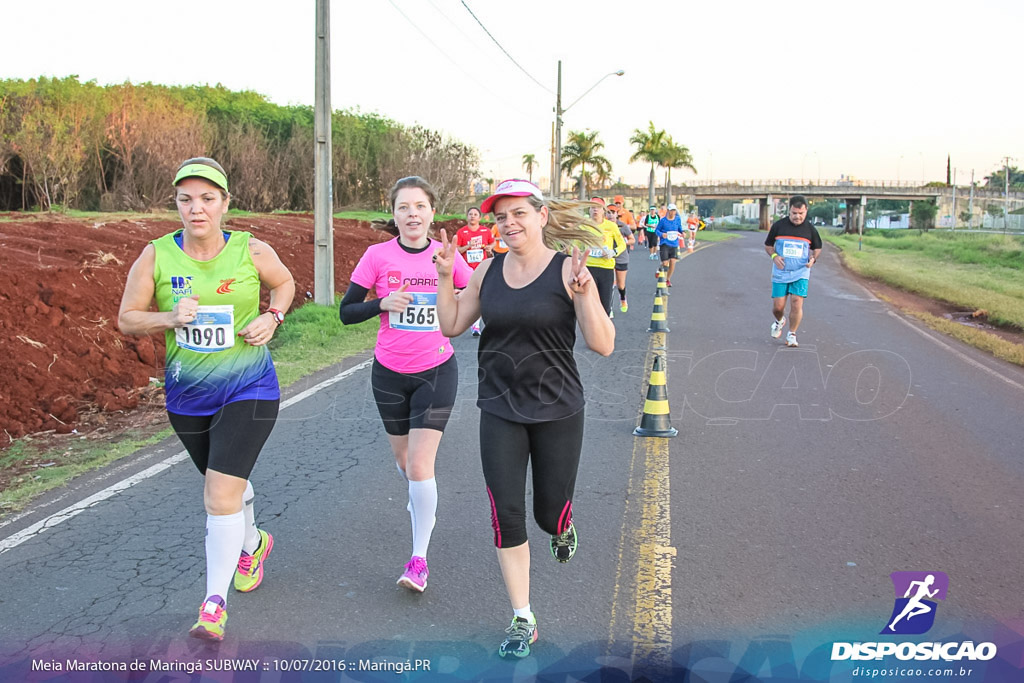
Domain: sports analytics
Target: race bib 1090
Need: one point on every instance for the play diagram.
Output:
(213, 330)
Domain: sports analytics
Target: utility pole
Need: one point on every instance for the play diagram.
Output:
(970, 203)
(1006, 192)
(954, 190)
(323, 193)
(557, 178)
(551, 176)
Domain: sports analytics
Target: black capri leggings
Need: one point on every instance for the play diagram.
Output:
(230, 440)
(553, 448)
(418, 400)
(604, 278)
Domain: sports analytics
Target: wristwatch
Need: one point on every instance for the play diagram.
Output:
(278, 315)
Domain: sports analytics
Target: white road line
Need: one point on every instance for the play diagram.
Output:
(962, 356)
(67, 513)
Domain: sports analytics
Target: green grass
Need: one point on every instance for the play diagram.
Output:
(51, 468)
(311, 339)
(986, 341)
(714, 236)
(972, 271)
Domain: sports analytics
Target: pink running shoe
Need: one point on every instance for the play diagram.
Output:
(415, 576)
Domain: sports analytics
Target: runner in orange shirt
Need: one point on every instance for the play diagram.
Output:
(626, 216)
(692, 223)
(499, 244)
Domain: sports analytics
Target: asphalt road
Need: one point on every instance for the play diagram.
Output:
(745, 546)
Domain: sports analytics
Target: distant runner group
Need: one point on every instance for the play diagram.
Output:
(546, 269)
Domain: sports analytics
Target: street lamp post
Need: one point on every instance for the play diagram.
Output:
(557, 181)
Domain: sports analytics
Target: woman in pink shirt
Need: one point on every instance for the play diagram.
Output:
(415, 375)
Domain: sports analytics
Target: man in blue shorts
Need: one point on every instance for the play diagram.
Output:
(794, 245)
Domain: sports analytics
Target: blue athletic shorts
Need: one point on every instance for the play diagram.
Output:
(781, 289)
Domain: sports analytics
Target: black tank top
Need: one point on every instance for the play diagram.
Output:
(527, 369)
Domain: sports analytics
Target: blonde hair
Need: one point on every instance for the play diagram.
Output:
(568, 224)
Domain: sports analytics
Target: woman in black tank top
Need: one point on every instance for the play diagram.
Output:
(530, 396)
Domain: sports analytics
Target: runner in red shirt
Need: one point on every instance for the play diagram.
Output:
(475, 243)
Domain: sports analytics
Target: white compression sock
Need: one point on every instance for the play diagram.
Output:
(252, 534)
(423, 500)
(224, 534)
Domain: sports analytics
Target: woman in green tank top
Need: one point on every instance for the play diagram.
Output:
(222, 390)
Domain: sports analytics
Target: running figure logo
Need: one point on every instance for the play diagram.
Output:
(914, 612)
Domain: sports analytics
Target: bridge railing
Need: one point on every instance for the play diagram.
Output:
(797, 182)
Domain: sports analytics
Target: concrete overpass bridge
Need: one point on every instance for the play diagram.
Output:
(855, 193)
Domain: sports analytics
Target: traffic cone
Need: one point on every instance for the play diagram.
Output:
(655, 420)
(662, 287)
(658, 321)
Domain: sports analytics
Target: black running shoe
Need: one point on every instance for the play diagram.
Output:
(563, 546)
(520, 634)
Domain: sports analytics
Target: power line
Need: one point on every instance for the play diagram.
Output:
(450, 59)
(504, 50)
(456, 26)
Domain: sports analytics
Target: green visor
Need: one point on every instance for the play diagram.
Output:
(202, 171)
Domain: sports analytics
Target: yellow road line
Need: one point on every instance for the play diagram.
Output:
(652, 615)
(650, 610)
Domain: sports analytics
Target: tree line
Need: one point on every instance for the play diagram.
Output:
(74, 145)
(582, 153)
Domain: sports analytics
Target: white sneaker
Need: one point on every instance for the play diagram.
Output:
(791, 340)
(777, 327)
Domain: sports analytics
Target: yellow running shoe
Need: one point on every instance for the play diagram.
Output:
(212, 620)
(249, 573)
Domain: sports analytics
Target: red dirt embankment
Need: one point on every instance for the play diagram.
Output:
(61, 279)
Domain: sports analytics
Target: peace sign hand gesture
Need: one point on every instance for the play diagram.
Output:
(581, 276)
(444, 257)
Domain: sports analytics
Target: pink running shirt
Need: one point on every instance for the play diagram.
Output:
(412, 341)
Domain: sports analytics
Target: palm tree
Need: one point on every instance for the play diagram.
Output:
(674, 156)
(529, 161)
(582, 152)
(650, 144)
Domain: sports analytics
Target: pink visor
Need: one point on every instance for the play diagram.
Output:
(511, 188)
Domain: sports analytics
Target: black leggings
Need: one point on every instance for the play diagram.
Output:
(604, 278)
(230, 440)
(553, 448)
(417, 400)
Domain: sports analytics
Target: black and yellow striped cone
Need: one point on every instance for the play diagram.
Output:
(658, 321)
(662, 288)
(655, 420)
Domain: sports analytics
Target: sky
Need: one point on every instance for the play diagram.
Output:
(876, 90)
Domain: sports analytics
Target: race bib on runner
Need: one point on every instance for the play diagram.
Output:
(474, 256)
(418, 316)
(213, 330)
(501, 243)
(671, 235)
(792, 250)
(597, 252)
